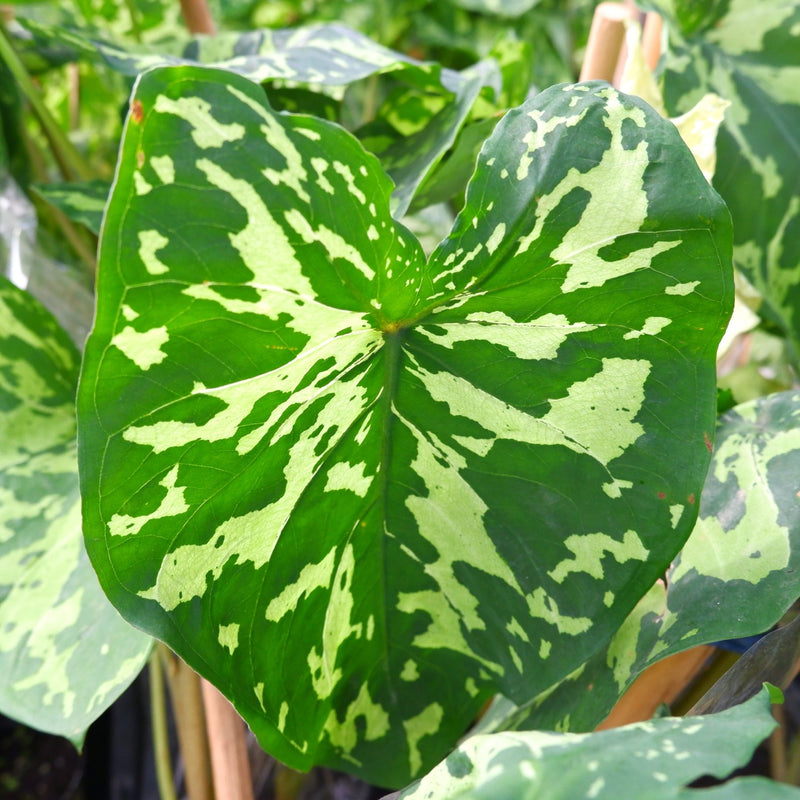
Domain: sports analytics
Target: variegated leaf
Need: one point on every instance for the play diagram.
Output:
(503, 8)
(82, 202)
(408, 160)
(360, 491)
(331, 55)
(736, 576)
(327, 58)
(751, 59)
(65, 653)
(654, 760)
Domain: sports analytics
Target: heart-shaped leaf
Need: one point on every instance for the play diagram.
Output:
(360, 491)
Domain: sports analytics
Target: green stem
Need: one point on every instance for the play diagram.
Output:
(83, 243)
(69, 160)
(136, 28)
(158, 712)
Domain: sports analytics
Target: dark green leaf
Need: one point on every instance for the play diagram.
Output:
(774, 658)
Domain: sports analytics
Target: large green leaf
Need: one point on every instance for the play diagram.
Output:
(751, 59)
(361, 492)
(653, 760)
(736, 576)
(65, 653)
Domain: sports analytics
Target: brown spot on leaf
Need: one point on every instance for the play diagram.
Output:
(662, 496)
(707, 441)
(140, 158)
(137, 111)
(691, 499)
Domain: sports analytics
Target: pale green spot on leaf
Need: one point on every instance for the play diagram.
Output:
(207, 131)
(682, 289)
(142, 347)
(172, 505)
(164, 168)
(652, 327)
(228, 636)
(348, 477)
(535, 340)
(588, 551)
(333, 243)
(141, 184)
(150, 242)
(344, 734)
(424, 724)
(312, 576)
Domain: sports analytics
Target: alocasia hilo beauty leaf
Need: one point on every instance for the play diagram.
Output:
(361, 491)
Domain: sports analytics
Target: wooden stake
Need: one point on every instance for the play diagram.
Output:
(197, 17)
(190, 723)
(651, 40)
(660, 683)
(606, 38)
(226, 738)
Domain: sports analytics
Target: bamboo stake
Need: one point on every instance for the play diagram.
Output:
(190, 723)
(651, 40)
(606, 37)
(226, 738)
(197, 17)
(778, 765)
(660, 683)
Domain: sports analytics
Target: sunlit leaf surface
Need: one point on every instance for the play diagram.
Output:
(360, 491)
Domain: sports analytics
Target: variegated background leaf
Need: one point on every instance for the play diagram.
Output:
(327, 58)
(408, 160)
(65, 653)
(736, 576)
(750, 57)
(656, 760)
(505, 8)
(327, 54)
(83, 202)
(361, 492)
